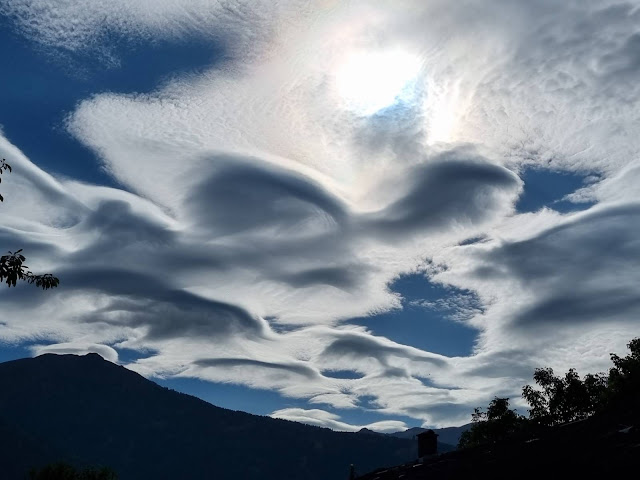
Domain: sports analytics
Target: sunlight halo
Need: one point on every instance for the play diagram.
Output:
(368, 82)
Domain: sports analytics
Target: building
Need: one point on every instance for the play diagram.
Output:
(427, 443)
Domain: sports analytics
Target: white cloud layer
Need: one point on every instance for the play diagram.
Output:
(262, 211)
(320, 418)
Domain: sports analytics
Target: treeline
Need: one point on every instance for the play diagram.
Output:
(559, 399)
(64, 471)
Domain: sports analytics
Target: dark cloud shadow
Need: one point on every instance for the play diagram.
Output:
(345, 277)
(456, 187)
(582, 271)
(142, 300)
(357, 346)
(242, 195)
(343, 374)
(503, 364)
(298, 368)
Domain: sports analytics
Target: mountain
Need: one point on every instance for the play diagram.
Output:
(88, 411)
(449, 435)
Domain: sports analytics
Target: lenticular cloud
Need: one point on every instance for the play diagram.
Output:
(274, 196)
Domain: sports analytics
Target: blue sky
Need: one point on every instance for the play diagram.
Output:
(323, 211)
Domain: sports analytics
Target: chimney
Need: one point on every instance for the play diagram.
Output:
(427, 443)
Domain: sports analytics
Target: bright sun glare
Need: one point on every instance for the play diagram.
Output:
(369, 82)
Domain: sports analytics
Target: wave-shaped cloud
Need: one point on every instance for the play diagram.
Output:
(259, 213)
(321, 418)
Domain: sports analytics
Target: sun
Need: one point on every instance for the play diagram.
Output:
(368, 82)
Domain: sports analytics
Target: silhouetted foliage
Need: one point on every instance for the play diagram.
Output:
(564, 399)
(12, 267)
(560, 400)
(64, 471)
(624, 376)
(4, 166)
(498, 422)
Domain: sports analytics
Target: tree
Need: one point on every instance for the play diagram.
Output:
(12, 267)
(63, 471)
(624, 376)
(561, 399)
(497, 423)
(564, 399)
(4, 166)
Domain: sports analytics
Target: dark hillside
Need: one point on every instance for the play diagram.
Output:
(92, 412)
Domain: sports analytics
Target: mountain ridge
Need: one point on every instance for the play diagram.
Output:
(449, 436)
(89, 411)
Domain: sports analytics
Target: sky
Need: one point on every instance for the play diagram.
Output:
(346, 213)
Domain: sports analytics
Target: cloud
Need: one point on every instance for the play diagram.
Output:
(560, 292)
(321, 418)
(250, 196)
(258, 212)
(79, 348)
(298, 368)
(454, 189)
(81, 26)
(165, 313)
(356, 345)
(580, 270)
(48, 204)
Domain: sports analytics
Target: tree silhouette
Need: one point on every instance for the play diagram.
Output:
(64, 471)
(560, 400)
(624, 376)
(497, 423)
(564, 399)
(12, 267)
(4, 166)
